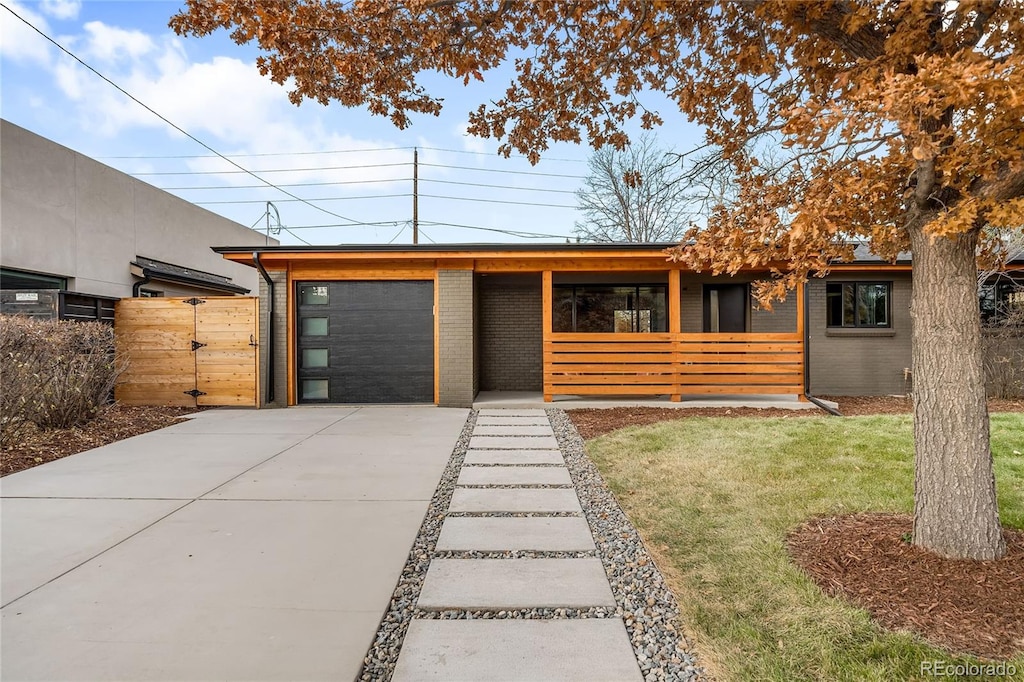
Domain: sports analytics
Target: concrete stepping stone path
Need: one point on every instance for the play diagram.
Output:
(506, 534)
(515, 500)
(513, 475)
(515, 584)
(514, 457)
(503, 502)
(513, 442)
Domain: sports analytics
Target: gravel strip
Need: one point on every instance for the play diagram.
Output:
(646, 604)
(379, 662)
(643, 600)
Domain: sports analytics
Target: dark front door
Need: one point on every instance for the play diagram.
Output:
(725, 308)
(365, 342)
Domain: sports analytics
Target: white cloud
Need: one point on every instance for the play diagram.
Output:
(225, 102)
(110, 44)
(19, 42)
(471, 143)
(62, 9)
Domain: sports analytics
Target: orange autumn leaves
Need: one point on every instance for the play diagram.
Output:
(886, 115)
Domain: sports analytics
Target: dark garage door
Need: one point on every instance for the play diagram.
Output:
(365, 342)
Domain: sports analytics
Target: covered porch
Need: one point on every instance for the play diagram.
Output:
(671, 363)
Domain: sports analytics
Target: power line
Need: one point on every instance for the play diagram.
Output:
(512, 233)
(368, 150)
(275, 170)
(390, 196)
(494, 201)
(431, 223)
(295, 235)
(479, 184)
(400, 231)
(503, 170)
(514, 156)
(370, 182)
(253, 155)
(295, 184)
(168, 121)
(286, 201)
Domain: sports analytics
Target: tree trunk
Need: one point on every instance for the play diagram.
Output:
(955, 509)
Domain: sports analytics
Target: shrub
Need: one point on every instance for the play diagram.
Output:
(56, 374)
(1003, 353)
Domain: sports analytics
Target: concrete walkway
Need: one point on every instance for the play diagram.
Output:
(241, 545)
(515, 449)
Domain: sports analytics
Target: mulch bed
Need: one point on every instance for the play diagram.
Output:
(115, 423)
(974, 607)
(593, 422)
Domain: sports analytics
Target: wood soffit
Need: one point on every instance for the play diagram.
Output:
(498, 260)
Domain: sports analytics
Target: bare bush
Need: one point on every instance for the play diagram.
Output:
(1003, 353)
(56, 374)
(23, 350)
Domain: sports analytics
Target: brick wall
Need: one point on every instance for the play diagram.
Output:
(455, 332)
(849, 361)
(511, 333)
(280, 349)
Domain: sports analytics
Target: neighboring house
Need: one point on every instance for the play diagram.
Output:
(438, 324)
(70, 223)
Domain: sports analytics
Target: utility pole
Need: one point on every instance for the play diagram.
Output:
(415, 196)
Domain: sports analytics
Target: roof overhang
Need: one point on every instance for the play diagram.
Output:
(157, 271)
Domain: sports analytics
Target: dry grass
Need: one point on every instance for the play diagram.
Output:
(714, 500)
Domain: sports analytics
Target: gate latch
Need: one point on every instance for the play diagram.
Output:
(193, 301)
(195, 393)
(196, 345)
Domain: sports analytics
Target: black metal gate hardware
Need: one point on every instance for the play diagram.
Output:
(195, 393)
(193, 301)
(196, 345)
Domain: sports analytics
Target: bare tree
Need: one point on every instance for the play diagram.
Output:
(633, 195)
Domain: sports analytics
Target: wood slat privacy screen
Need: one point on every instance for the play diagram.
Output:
(673, 364)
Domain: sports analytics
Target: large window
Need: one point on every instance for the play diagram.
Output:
(858, 304)
(609, 308)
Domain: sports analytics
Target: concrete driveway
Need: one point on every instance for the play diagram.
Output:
(240, 545)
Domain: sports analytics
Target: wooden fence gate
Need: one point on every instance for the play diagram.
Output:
(189, 351)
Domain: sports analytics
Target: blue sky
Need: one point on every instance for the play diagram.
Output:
(348, 165)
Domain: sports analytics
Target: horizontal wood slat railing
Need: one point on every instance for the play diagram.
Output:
(673, 364)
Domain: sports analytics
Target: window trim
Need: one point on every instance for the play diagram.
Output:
(857, 324)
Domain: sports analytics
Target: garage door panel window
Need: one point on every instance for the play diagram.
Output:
(315, 389)
(314, 357)
(314, 326)
(314, 294)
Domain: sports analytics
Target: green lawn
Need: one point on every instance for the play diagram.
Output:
(714, 499)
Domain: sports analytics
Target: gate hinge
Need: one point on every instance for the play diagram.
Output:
(196, 345)
(195, 393)
(193, 301)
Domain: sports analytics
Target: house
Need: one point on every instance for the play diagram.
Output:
(440, 323)
(71, 224)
